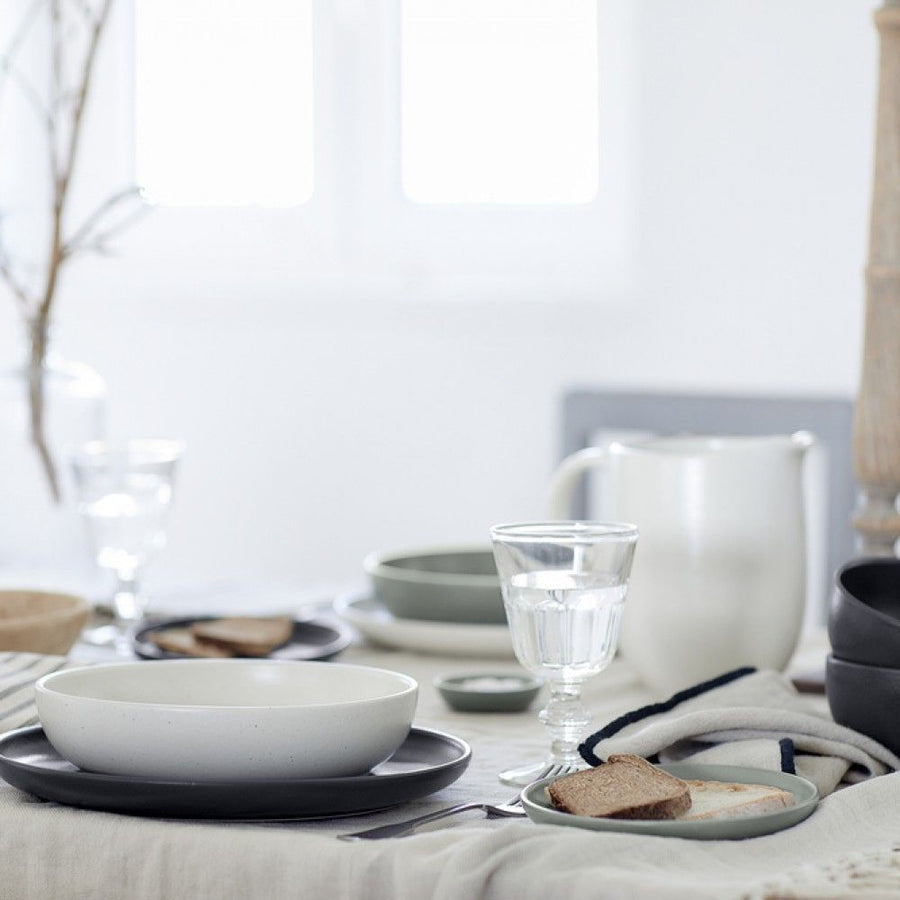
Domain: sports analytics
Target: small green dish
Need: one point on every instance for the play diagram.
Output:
(488, 692)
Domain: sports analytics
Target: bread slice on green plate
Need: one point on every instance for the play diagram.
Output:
(625, 787)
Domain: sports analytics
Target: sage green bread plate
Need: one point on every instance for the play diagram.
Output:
(537, 805)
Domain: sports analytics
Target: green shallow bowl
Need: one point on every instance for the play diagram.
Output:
(488, 691)
(539, 809)
(438, 584)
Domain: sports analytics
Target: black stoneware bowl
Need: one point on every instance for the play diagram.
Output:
(864, 619)
(865, 698)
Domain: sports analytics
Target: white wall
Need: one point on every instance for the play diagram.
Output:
(319, 431)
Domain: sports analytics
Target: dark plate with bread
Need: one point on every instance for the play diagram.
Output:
(686, 800)
(218, 637)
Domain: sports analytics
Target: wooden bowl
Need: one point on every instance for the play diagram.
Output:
(41, 621)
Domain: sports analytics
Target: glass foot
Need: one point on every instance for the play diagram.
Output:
(109, 636)
(101, 636)
(525, 775)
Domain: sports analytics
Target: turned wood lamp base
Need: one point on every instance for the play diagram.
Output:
(876, 439)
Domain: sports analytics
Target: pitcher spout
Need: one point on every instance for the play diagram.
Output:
(803, 440)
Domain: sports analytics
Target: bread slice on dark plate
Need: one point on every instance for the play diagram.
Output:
(245, 636)
(183, 640)
(625, 787)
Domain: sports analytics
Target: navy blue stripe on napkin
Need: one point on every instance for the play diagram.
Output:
(786, 745)
(586, 748)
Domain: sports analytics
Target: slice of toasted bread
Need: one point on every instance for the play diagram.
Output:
(625, 787)
(245, 636)
(724, 800)
(182, 640)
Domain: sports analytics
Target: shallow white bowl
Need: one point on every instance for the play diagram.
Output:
(212, 720)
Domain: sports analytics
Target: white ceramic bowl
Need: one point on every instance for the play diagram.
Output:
(211, 720)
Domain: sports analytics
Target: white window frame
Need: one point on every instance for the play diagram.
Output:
(359, 237)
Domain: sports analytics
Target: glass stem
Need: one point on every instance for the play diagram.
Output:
(127, 599)
(566, 718)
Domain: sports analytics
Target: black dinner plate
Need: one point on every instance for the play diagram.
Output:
(310, 639)
(426, 762)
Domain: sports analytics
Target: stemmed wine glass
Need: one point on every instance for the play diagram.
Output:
(124, 491)
(564, 586)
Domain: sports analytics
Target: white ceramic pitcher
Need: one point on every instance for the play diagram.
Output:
(719, 577)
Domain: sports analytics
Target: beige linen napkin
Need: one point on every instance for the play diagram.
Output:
(745, 718)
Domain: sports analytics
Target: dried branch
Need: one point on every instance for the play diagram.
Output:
(28, 91)
(21, 296)
(56, 90)
(81, 95)
(63, 117)
(25, 25)
(82, 238)
(39, 337)
(18, 39)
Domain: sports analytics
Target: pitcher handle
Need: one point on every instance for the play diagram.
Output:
(566, 477)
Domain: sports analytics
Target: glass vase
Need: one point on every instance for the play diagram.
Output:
(41, 538)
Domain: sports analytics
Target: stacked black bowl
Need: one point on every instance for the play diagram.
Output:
(862, 675)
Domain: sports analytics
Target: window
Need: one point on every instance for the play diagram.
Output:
(223, 101)
(422, 149)
(499, 101)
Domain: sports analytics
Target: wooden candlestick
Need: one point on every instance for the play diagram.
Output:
(876, 439)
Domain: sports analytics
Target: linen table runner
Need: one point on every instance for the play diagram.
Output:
(18, 673)
(849, 847)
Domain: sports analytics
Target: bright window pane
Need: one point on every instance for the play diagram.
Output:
(224, 101)
(500, 101)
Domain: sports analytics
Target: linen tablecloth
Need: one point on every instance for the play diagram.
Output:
(849, 847)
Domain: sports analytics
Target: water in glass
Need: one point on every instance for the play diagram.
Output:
(127, 525)
(564, 625)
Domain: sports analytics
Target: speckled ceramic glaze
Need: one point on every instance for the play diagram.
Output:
(208, 720)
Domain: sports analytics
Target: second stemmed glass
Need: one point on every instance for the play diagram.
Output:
(564, 586)
(124, 491)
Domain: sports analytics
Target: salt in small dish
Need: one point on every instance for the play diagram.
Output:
(488, 692)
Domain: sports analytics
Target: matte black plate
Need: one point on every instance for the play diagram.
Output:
(311, 639)
(426, 762)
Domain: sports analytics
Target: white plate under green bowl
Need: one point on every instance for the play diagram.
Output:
(455, 639)
(537, 805)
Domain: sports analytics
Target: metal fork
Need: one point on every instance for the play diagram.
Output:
(512, 809)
